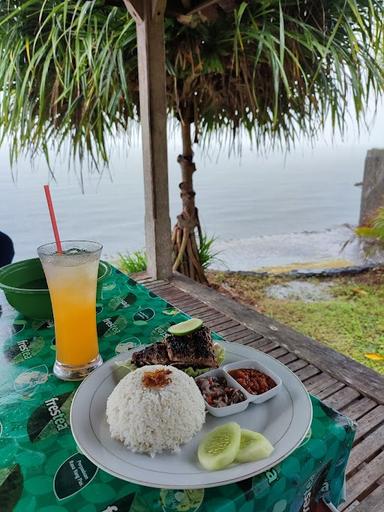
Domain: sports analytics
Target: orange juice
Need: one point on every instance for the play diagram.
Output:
(73, 296)
(72, 281)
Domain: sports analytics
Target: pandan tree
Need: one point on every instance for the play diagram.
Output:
(267, 69)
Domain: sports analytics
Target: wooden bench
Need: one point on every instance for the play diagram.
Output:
(339, 381)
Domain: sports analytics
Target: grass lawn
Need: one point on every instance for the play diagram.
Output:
(351, 321)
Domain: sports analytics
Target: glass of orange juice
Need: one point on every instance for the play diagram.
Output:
(72, 280)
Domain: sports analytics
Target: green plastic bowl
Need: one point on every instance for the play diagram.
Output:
(26, 289)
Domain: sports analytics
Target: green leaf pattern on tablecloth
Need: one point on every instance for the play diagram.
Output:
(122, 302)
(11, 487)
(74, 474)
(41, 469)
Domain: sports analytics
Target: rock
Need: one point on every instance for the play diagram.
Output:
(300, 290)
(372, 194)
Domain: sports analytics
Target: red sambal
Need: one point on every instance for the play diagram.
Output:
(252, 380)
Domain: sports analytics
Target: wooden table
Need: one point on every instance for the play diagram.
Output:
(339, 381)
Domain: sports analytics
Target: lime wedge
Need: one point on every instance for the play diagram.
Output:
(187, 327)
(219, 447)
(253, 446)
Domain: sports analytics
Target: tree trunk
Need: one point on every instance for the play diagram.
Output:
(185, 248)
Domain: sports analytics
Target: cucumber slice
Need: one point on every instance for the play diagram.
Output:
(219, 447)
(187, 327)
(253, 446)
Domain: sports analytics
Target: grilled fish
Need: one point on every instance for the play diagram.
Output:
(194, 350)
(154, 354)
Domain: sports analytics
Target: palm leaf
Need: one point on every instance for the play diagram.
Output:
(272, 70)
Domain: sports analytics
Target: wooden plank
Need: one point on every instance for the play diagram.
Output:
(189, 311)
(330, 390)
(156, 282)
(287, 358)
(232, 337)
(351, 507)
(244, 337)
(186, 304)
(204, 310)
(366, 477)
(250, 338)
(372, 503)
(237, 329)
(297, 365)
(356, 410)
(327, 388)
(219, 322)
(264, 345)
(176, 303)
(342, 398)
(203, 314)
(182, 301)
(191, 302)
(342, 368)
(307, 372)
(198, 309)
(368, 422)
(262, 342)
(208, 314)
(169, 293)
(142, 277)
(319, 382)
(366, 449)
(158, 287)
(278, 352)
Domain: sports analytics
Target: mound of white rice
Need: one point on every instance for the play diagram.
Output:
(151, 420)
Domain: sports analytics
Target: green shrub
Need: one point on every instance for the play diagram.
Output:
(133, 263)
(136, 261)
(207, 256)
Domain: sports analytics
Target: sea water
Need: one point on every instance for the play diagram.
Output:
(270, 209)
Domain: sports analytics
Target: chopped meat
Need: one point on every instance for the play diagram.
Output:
(195, 349)
(217, 392)
(154, 354)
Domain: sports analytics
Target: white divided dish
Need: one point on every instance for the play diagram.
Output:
(284, 421)
(229, 409)
(262, 397)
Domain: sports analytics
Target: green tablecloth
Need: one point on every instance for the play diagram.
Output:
(41, 469)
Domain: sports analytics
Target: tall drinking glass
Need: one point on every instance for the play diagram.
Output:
(72, 282)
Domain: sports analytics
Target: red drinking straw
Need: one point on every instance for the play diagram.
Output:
(53, 218)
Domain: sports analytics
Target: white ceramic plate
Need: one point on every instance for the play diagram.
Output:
(284, 420)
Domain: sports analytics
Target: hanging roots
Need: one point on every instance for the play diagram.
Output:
(185, 250)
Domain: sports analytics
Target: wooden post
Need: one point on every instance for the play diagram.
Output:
(149, 17)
